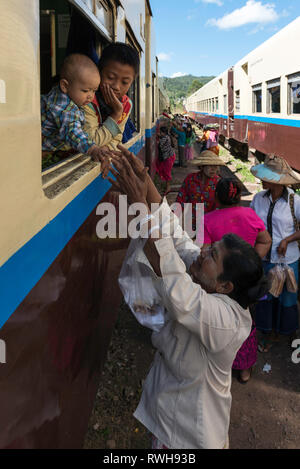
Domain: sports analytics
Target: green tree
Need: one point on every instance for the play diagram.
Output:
(194, 86)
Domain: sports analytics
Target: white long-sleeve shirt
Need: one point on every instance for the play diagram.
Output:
(281, 220)
(186, 398)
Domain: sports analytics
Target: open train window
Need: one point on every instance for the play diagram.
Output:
(225, 104)
(66, 26)
(294, 94)
(134, 91)
(153, 96)
(257, 98)
(273, 96)
(237, 101)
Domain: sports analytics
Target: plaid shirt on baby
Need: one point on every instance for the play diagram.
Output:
(62, 123)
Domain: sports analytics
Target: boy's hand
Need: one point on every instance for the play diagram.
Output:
(112, 101)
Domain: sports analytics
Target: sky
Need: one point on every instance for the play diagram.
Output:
(205, 37)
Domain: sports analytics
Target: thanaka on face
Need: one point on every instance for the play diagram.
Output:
(118, 76)
(207, 269)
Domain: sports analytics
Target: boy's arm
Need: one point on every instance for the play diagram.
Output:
(118, 138)
(104, 134)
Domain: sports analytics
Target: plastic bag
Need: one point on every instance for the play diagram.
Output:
(277, 278)
(138, 287)
(291, 282)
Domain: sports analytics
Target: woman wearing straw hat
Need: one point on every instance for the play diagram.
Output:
(279, 208)
(200, 187)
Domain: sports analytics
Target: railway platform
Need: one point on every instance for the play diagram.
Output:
(232, 169)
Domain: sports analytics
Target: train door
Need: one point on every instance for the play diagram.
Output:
(230, 126)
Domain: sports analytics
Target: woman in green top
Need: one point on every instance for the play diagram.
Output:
(178, 130)
(190, 140)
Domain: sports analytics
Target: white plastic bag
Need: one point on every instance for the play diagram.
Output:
(277, 278)
(138, 288)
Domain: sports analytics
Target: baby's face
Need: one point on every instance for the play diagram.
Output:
(82, 90)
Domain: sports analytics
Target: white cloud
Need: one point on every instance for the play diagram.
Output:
(253, 12)
(178, 74)
(163, 57)
(216, 2)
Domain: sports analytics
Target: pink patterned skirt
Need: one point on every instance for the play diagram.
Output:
(164, 168)
(247, 355)
(188, 153)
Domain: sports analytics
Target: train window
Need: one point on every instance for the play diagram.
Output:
(273, 96)
(153, 96)
(237, 101)
(104, 14)
(294, 94)
(225, 104)
(257, 98)
(217, 104)
(134, 92)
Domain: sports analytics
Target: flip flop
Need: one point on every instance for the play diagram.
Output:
(264, 346)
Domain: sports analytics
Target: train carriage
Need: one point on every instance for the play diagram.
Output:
(257, 102)
(59, 288)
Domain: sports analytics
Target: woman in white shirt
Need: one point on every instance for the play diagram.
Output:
(279, 208)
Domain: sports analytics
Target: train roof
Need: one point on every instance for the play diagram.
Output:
(284, 35)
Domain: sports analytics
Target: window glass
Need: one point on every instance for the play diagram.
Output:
(274, 99)
(294, 94)
(257, 99)
(273, 96)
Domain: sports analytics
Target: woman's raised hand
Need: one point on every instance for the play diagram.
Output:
(136, 164)
(127, 181)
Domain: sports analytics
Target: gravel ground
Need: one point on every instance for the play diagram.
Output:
(265, 412)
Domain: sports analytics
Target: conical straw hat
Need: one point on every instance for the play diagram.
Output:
(276, 170)
(207, 158)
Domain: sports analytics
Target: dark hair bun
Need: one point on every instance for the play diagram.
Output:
(229, 191)
(258, 291)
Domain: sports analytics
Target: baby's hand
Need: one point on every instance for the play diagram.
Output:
(101, 155)
(105, 159)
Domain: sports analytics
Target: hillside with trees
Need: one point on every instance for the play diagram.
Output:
(182, 87)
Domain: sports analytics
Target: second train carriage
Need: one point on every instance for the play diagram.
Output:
(257, 102)
(59, 283)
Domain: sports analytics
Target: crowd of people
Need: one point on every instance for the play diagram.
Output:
(206, 292)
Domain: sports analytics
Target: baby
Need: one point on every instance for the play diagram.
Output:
(62, 116)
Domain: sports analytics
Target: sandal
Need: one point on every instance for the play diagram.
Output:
(264, 345)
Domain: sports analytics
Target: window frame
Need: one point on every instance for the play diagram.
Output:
(237, 101)
(135, 114)
(294, 78)
(255, 89)
(271, 85)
